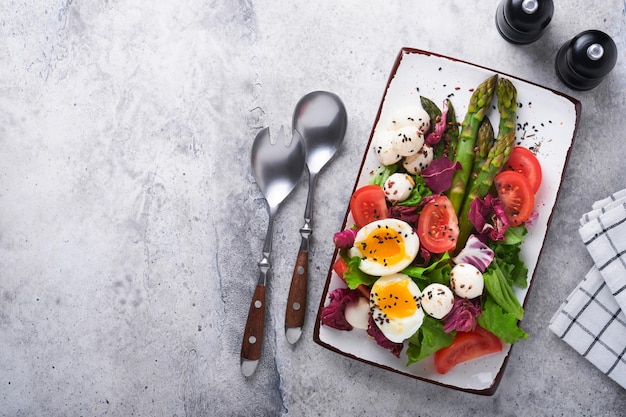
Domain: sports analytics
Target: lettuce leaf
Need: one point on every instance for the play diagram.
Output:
(354, 276)
(514, 235)
(428, 339)
(507, 253)
(382, 174)
(497, 321)
(419, 191)
(497, 286)
(438, 271)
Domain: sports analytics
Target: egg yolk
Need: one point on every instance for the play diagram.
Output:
(384, 246)
(395, 299)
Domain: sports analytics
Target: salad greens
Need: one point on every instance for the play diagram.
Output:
(355, 277)
(430, 338)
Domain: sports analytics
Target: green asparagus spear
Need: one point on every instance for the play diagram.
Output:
(507, 106)
(497, 157)
(484, 142)
(431, 108)
(479, 103)
(451, 134)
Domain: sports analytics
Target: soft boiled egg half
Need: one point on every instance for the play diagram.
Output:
(385, 246)
(395, 306)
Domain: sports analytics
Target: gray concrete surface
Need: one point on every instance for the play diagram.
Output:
(130, 225)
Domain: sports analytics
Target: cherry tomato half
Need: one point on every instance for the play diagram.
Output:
(524, 161)
(368, 204)
(340, 267)
(517, 196)
(466, 346)
(438, 226)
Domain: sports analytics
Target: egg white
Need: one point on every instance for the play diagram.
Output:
(388, 291)
(385, 246)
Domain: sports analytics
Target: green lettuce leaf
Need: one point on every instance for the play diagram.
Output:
(514, 235)
(437, 272)
(508, 255)
(497, 321)
(428, 339)
(354, 276)
(500, 290)
(419, 191)
(382, 174)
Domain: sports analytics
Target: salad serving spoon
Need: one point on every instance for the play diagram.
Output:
(277, 167)
(321, 119)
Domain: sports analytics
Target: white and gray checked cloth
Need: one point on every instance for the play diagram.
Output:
(592, 318)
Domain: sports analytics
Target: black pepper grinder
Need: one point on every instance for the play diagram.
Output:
(523, 21)
(583, 62)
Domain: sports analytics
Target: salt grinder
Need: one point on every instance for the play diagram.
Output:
(523, 21)
(583, 62)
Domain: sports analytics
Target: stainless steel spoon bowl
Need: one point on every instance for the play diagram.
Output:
(277, 168)
(321, 119)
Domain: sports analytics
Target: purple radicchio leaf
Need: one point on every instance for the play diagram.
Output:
(404, 213)
(488, 217)
(438, 175)
(463, 315)
(533, 217)
(435, 136)
(379, 337)
(423, 258)
(344, 239)
(475, 252)
(333, 315)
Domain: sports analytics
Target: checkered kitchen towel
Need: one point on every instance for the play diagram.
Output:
(592, 319)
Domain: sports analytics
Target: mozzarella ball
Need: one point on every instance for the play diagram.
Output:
(437, 300)
(357, 313)
(411, 116)
(383, 146)
(398, 187)
(419, 161)
(408, 140)
(466, 281)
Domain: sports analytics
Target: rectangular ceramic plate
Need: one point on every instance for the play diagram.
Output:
(547, 122)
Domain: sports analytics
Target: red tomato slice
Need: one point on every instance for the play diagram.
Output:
(340, 267)
(438, 226)
(524, 161)
(368, 204)
(517, 196)
(466, 346)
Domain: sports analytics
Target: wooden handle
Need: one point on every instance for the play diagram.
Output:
(253, 334)
(296, 303)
